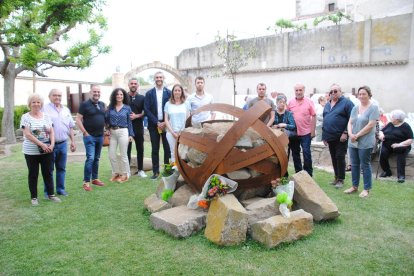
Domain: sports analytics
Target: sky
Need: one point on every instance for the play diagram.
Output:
(141, 32)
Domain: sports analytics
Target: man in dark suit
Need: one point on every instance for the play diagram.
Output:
(154, 103)
(137, 106)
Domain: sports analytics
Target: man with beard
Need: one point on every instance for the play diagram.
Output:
(305, 118)
(199, 99)
(336, 115)
(154, 103)
(91, 122)
(136, 102)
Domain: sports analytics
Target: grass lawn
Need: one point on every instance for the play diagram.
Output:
(107, 232)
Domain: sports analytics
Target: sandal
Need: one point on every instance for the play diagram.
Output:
(364, 194)
(351, 190)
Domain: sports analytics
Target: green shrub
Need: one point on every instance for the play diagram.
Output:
(19, 110)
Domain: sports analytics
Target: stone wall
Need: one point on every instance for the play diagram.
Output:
(322, 159)
(378, 53)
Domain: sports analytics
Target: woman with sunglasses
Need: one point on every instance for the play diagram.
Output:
(361, 131)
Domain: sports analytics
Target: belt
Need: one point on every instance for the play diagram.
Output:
(61, 142)
(116, 127)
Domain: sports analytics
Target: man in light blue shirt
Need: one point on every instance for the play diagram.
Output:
(199, 99)
(63, 127)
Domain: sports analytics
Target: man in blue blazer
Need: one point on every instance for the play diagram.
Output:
(155, 100)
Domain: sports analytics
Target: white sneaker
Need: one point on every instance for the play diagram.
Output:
(54, 198)
(35, 202)
(142, 174)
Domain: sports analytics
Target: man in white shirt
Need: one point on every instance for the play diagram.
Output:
(155, 100)
(199, 99)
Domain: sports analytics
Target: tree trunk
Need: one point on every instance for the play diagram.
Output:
(7, 123)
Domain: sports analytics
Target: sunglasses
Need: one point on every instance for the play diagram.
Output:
(333, 92)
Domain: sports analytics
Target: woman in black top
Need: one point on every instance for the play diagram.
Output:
(396, 137)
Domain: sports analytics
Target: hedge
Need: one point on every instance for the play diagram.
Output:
(19, 110)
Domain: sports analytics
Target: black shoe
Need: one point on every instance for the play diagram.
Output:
(385, 174)
(401, 179)
(155, 176)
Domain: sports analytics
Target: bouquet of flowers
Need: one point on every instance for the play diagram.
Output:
(168, 169)
(284, 194)
(215, 186)
(170, 175)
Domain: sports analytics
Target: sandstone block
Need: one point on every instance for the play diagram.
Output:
(226, 221)
(311, 198)
(181, 196)
(275, 230)
(154, 204)
(179, 222)
(261, 209)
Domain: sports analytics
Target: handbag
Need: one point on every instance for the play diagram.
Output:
(106, 140)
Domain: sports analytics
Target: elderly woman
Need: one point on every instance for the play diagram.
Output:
(361, 132)
(39, 140)
(396, 137)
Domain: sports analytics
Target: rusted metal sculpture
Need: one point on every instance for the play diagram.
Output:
(223, 157)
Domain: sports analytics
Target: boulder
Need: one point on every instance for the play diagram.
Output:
(260, 210)
(311, 198)
(226, 221)
(275, 230)
(154, 204)
(179, 222)
(181, 196)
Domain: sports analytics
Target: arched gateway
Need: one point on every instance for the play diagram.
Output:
(157, 65)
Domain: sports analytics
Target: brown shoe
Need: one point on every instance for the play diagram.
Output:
(97, 182)
(351, 190)
(114, 178)
(122, 179)
(87, 187)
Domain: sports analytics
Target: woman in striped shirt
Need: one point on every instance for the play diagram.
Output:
(38, 144)
(120, 127)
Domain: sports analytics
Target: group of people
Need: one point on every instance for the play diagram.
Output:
(47, 129)
(345, 127)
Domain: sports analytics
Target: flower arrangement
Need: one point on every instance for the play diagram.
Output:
(284, 189)
(217, 187)
(168, 169)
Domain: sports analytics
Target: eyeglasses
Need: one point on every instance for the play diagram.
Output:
(299, 90)
(333, 91)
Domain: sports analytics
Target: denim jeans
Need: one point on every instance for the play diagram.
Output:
(361, 159)
(59, 161)
(93, 147)
(295, 145)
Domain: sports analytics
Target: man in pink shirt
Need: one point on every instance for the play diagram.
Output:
(304, 114)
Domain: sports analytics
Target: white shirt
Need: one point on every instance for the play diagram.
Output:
(196, 102)
(159, 102)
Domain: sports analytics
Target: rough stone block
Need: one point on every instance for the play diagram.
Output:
(154, 204)
(226, 221)
(311, 198)
(179, 222)
(260, 210)
(275, 230)
(181, 196)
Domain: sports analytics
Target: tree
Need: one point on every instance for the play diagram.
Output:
(335, 18)
(30, 39)
(234, 56)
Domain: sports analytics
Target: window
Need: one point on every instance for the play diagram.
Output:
(331, 7)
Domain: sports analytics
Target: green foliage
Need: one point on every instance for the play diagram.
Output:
(167, 170)
(335, 18)
(62, 239)
(18, 112)
(167, 194)
(234, 55)
(287, 24)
